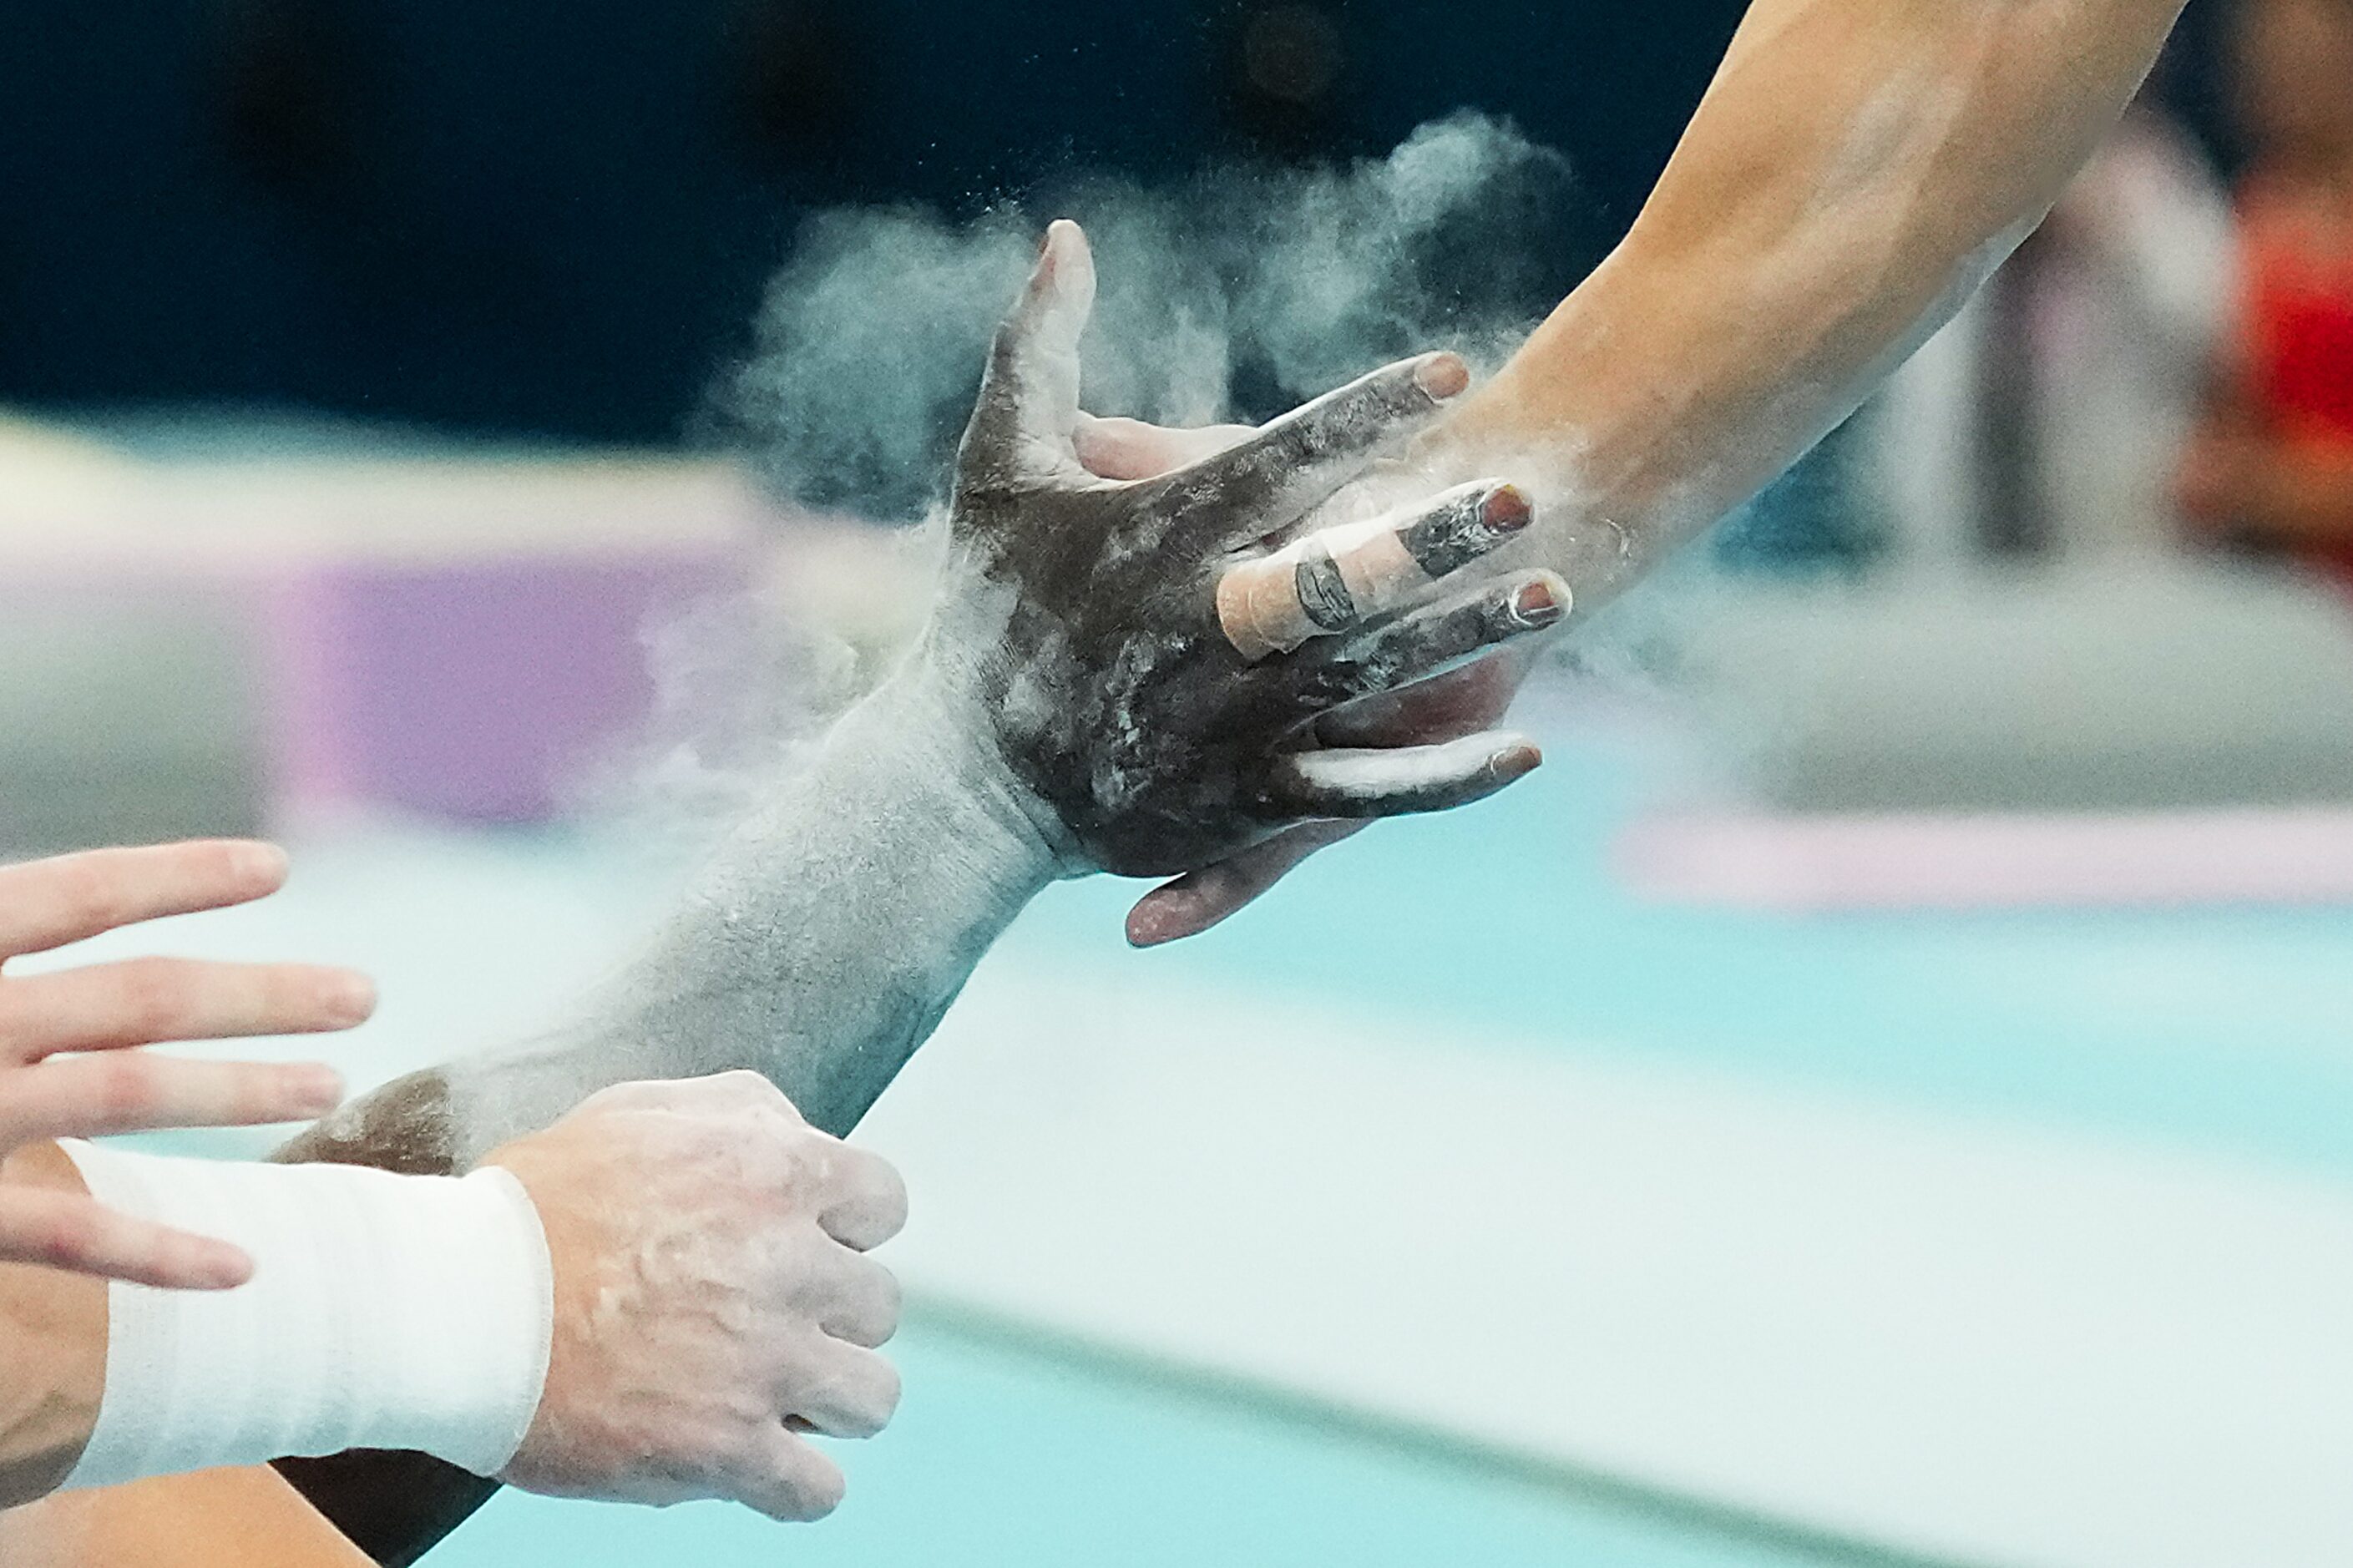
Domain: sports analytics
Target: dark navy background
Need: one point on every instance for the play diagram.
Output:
(555, 219)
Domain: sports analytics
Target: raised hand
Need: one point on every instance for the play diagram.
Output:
(1154, 653)
(71, 1062)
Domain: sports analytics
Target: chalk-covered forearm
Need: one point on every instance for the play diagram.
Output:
(1856, 170)
(820, 945)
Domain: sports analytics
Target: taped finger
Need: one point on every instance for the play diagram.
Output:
(1339, 578)
(1423, 645)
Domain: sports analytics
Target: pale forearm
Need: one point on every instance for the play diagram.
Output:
(820, 945)
(1857, 168)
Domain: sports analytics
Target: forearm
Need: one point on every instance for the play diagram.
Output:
(54, 1374)
(219, 1519)
(818, 947)
(1855, 171)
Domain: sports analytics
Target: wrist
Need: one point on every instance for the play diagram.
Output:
(824, 937)
(384, 1312)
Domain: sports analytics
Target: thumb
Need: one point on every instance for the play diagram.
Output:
(1028, 403)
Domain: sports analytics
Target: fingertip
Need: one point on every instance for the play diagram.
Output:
(218, 1265)
(1542, 601)
(1155, 921)
(311, 1089)
(1515, 761)
(261, 867)
(1507, 509)
(350, 999)
(1443, 375)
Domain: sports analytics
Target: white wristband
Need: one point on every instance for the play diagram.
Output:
(407, 1313)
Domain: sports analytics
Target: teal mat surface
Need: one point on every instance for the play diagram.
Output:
(1004, 1458)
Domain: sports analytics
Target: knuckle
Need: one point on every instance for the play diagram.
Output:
(89, 893)
(67, 1236)
(123, 1088)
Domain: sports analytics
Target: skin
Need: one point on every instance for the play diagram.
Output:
(1072, 705)
(1121, 705)
(1852, 175)
(72, 1064)
(713, 1304)
(218, 1519)
(1855, 171)
(658, 1201)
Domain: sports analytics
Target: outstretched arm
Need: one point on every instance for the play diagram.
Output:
(1074, 705)
(1857, 168)
(1855, 171)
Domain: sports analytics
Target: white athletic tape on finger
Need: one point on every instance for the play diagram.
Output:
(403, 1312)
(1324, 583)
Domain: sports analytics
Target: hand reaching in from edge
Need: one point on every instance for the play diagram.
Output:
(71, 1062)
(1154, 650)
(713, 1300)
(1448, 709)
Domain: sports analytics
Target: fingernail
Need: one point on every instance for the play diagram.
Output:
(259, 863)
(222, 1267)
(1515, 762)
(313, 1090)
(350, 1000)
(1506, 509)
(1536, 604)
(1442, 375)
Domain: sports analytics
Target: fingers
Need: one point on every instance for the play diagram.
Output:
(1131, 449)
(1295, 464)
(1422, 645)
(1471, 698)
(72, 1231)
(853, 1394)
(1028, 402)
(1358, 784)
(1337, 579)
(94, 1097)
(737, 1092)
(788, 1479)
(150, 999)
(866, 1200)
(861, 1300)
(46, 904)
(1199, 899)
